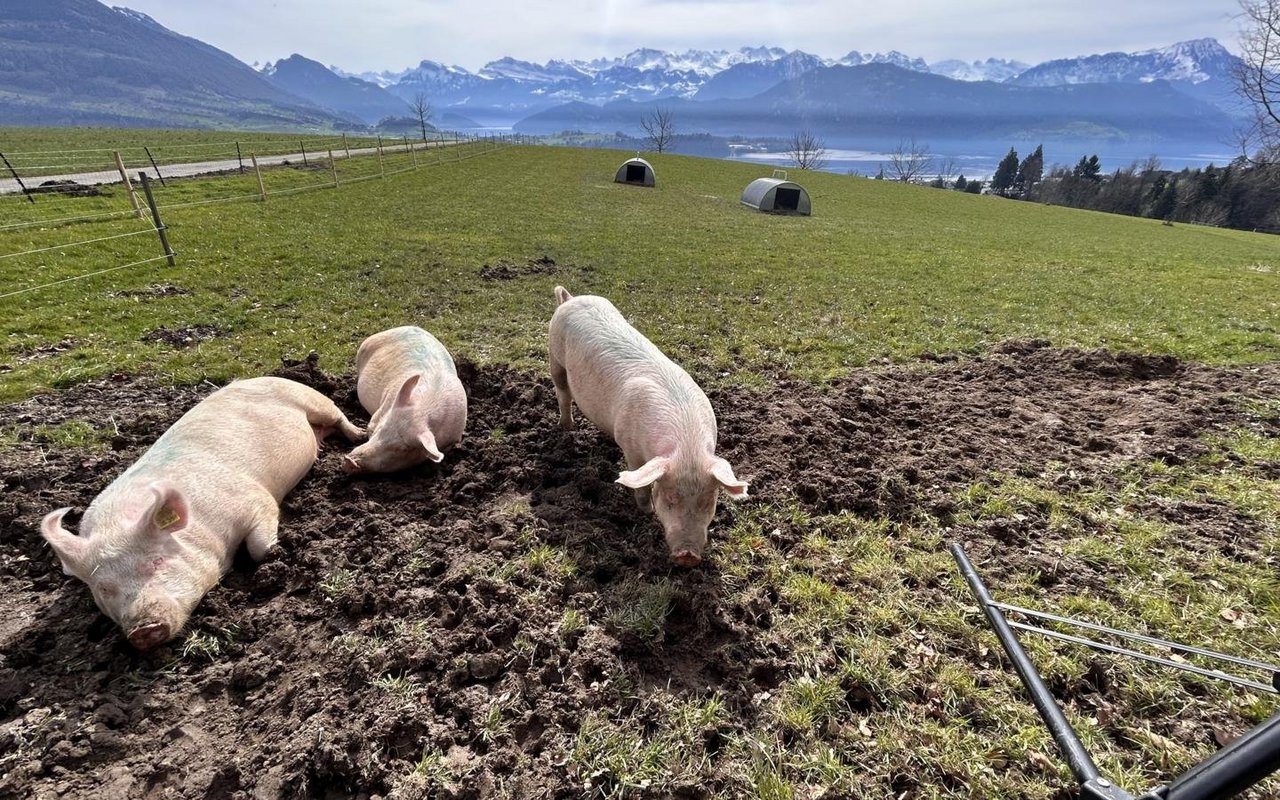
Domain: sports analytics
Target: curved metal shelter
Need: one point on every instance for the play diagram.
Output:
(635, 171)
(777, 196)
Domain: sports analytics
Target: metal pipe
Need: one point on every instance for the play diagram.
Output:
(1138, 637)
(1234, 768)
(1069, 743)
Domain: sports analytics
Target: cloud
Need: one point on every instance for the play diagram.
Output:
(394, 34)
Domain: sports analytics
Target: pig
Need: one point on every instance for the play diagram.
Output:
(654, 411)
(164, 532)
(409, 385)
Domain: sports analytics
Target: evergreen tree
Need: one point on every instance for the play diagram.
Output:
(974, 187)
(961, 183)
(1029, 173)
(1002, 181)
(1089, 169)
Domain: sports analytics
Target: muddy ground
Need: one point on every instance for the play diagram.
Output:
(283, 710)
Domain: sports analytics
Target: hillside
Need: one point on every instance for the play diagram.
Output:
(315, 83)
(78, 62)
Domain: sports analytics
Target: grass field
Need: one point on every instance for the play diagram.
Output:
(51, 151)
(880, 271)
(884, 275)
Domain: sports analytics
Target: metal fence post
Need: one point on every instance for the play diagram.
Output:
(155, 218)
(21, 185)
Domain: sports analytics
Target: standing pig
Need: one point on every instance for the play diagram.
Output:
(654, 411)
(408, 383)
(164, 533)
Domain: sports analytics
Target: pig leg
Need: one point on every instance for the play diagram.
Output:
(264, 534)
(644, 496)
(325, 418)
(560, 377)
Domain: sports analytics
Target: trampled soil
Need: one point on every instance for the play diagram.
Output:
(285, 711)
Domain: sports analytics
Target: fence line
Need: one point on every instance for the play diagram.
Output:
(72, 244)
(82, 277)
(436, 153)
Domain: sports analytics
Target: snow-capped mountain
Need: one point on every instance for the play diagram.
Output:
(1193, 62)
(856, 59)
(1200, 68)
(993, 69)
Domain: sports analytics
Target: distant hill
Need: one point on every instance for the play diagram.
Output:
(882, 101)
(78, 62)
(316, 83)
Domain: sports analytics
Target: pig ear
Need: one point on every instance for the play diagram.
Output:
(723, 473)
(649, 472)
(168, 511)
(69, 547)
(405, 396)
(428, 440)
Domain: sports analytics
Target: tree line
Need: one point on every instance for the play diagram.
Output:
(1244, 194)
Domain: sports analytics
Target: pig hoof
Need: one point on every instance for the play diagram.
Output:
(350, 465)
(686, 558)
(146, 637)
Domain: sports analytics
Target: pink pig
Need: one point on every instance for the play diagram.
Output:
(654, 411)
(408, 383)
(164, 532)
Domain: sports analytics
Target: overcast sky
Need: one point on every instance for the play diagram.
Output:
(395, 34)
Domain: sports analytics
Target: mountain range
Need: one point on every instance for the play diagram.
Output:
(80, 62)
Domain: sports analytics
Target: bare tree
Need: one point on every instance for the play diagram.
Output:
(422, 108)
(909, 161)
(1258, 72)
(659, 128)
(806, 150)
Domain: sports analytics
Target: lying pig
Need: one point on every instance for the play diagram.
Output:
(654, 411)
(164, 533)
(408, 383)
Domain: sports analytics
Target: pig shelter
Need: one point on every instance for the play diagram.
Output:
(777, 196)
(635, 171)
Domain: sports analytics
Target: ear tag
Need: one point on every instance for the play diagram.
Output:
(165, 517)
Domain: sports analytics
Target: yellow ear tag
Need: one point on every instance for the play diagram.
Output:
(165, 517)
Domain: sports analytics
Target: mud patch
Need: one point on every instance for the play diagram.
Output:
(154, 290)
(41, 352)
(66, 188)
(503, 271)
(403, 624)
(183, 337)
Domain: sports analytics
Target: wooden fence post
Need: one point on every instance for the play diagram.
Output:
(344, 145)
(262, 189)
(414, 150)
(128, 185)
(381, 167)
(239, 158)
(303, 145)
(333, 167)
(155, 218)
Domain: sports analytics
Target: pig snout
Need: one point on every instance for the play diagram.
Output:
(149, 635)
(686, 558)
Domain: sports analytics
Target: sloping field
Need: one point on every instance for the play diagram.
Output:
(1090, 403)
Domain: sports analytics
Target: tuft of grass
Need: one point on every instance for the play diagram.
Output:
(399, 686)
(641, 608)
(208, 647)
(336, 585)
